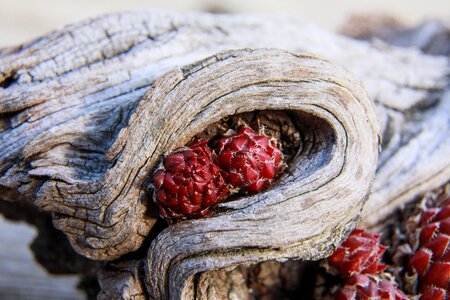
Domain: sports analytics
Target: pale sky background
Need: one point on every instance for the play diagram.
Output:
(21, 20)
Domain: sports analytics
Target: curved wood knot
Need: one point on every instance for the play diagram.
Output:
(307, 211)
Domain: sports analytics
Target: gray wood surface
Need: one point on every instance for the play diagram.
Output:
(317, 201)
(86, 115)
(21, 278)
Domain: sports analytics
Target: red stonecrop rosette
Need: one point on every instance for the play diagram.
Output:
(432, 260)
(189, 183)
(358, 260)
(433, 293)
(360, 253)
(251, 160)
(363, 287)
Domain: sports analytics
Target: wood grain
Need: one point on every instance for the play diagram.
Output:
(310, 209)
(80, 132)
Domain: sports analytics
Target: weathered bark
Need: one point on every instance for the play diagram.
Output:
(306, 213)
(122, 280)
(71, 148)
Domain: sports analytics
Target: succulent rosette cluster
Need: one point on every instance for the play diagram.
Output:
(358, 260)
(251, 160)
(431, 261)
(360, 253)
(189, 182)
(362, 287)
(196, 177)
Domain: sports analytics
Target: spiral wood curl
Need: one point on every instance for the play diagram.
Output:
(310, 208)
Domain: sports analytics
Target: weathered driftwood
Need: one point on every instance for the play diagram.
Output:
(306, 213)
(432, 36)
(122, 280)
(71, 148)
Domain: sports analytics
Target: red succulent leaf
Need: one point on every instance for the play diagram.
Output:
(428, 232)
(420, 261)
(433, 293)
(438, 275)
(345, 294)
(445, 226)
(443, 214)
(428, 215)
(360, 253)
(438, 245)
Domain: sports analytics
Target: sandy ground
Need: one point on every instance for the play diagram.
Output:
(21, 20)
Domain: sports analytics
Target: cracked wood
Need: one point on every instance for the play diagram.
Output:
(66, 102)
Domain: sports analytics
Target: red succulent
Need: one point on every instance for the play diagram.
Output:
(362, 287)
(360, 253)
(433, 293)
(432, 260)
(251, 160)
(189, 183)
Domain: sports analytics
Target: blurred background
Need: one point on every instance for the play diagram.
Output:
(22, 20)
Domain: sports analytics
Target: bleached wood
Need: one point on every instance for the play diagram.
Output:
(64, 99)
(309, 210)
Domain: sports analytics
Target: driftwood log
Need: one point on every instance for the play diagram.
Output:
(88, 112)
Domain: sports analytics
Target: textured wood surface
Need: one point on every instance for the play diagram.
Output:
(309, 210)
(79, 137)
(21, 277)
